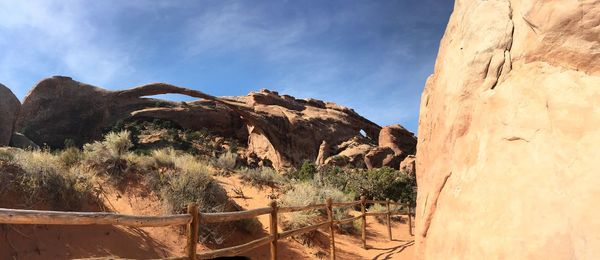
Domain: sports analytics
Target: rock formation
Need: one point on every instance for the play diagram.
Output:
(408, 165)
(9, 108)
(288, 131)
(381, 156)
(279, 129)
(60, 108)
(19, 140)
(507, 160)
(324, 153)
(401, 141)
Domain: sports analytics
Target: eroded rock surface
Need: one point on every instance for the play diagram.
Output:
(400, 140)
(9, 108)
(61, 108)
(279, 130)
(288, 131)
(507, 160)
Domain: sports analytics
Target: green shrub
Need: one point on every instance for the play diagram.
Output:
(307, 171)
(192, 136)
(383, 183)
(333, 176)
(263, 176)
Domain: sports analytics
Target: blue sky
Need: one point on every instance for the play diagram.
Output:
(373, 56)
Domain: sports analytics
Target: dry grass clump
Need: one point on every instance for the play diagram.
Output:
(41, 176)
(164, 157)
(6, 154)
(180, 178)
(306, 193)
(71, 156)
(377, 207)
(191, 182)
(115, 145)
(226, 161)
(262, 176)
(108, 156)
(188, 182)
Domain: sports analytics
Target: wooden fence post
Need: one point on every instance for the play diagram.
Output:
(410, 231)
(363, 201)
(389, 219)
(273, 229)
(192, 230)
(331, 228)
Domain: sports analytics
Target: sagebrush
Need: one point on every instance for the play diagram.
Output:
(40, 176)
(262, 176)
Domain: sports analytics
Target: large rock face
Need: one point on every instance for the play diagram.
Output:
(288, 131)
(60, 108)
(278, 129)
(509, 134)
(9, 108)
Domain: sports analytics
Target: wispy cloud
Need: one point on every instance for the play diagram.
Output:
(57, 37)
(373, 56)
(358, 55)
(239, 27)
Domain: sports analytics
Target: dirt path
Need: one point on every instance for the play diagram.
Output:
(347, 246)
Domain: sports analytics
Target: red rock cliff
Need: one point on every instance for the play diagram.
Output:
(509, 134)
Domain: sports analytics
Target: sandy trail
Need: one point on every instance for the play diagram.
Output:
(347, 246)
(68, 242)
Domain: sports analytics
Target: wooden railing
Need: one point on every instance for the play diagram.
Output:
(193, 219)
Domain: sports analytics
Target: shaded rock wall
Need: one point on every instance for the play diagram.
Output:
(9, 109)
(60, 108)
(507, 160)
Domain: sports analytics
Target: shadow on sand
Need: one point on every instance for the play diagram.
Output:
(68, 242)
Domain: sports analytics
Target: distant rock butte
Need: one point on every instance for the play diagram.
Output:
(509, 134)
(281, 129)
(9, 108)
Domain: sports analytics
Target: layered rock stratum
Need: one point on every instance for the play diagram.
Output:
(279, 129)
(509, 134)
